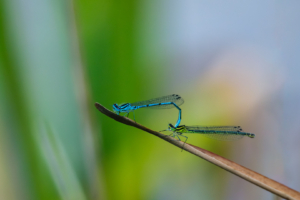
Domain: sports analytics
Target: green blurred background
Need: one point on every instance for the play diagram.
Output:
(234, 63)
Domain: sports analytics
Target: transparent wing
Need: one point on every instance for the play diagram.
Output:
(224, 137)
(216, 128)
(225, 133)
(175, 98)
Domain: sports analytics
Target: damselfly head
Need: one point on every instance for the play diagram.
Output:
(171, 127)
(116, 108)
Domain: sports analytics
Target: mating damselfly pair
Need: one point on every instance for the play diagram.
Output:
(226, 133)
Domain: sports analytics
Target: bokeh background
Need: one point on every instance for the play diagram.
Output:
(233, 62)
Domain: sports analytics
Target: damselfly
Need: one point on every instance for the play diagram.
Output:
(225, 133)
(169, 101)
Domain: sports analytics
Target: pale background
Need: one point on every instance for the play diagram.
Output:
(233, 62)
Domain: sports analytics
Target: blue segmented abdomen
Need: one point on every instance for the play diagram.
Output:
(159, 103)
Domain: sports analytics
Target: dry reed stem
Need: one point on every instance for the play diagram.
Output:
(243, 172)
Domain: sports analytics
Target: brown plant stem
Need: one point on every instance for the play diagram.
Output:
(243, 172)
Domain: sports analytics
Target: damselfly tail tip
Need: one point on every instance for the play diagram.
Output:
(171, 125)
(251, 135)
